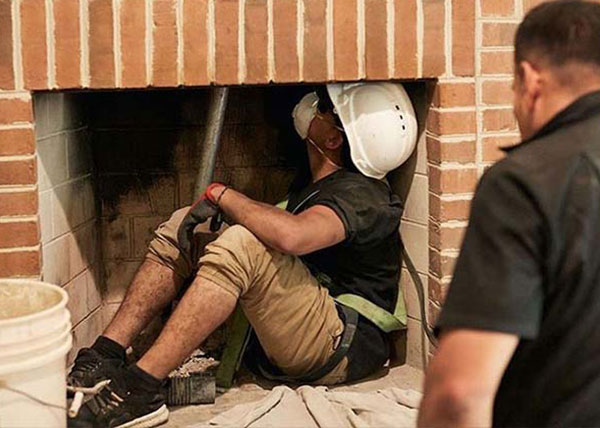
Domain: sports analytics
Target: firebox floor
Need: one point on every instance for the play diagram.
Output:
(250, 389)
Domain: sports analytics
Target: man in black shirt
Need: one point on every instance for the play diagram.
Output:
(337, 236)
(520, 336)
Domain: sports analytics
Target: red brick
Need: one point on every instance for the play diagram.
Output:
(444, 210)
(491, 147)
(452, 180)
(444, 237)
(498, 92)
(15, 110)
(256, 41)
(438, 290)
(17, 142)
(102, 61)
(19, 234)
(498, 62)
(67, 43)
(434, 49)
(463, 38)
(19, 263)
(434, 312)
(19, 203)
(345, 50)
(133, 43)
(6, 46)
(501, 8)
(284, 34)
(448, 94)
(441, 265)
(315, 38)
(405, 39)
(33, 42)
(376, 63)
(462, 151)
(18, 172)
(226, 23)
(195, 42)
(530, 4)
(165, 44)
(499, 120)
(451, 122)
(499, 33)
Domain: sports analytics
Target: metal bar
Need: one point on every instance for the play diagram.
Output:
(210, 145)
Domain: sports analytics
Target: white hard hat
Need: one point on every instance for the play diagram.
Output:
(380, 123)
(304, 113)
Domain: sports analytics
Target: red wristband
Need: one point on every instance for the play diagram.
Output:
(208, 192)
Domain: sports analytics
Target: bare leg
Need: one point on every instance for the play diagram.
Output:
(202, 309)
(152, 288)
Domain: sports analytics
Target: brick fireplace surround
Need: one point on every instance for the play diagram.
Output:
(464, 47)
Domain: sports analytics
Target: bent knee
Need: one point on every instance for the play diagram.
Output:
(164, 248)
(241, 237)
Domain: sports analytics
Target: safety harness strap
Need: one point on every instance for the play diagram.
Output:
(380, 317)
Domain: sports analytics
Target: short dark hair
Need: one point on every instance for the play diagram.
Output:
(560, 32)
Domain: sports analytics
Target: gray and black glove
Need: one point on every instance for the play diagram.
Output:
(203, 209)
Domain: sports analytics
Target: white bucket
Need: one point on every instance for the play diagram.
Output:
(35, 337)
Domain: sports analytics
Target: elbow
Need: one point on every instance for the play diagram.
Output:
(290, 245)
(291, 242)
(453, 403)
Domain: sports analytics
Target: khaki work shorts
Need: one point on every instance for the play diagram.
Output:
(294, 317)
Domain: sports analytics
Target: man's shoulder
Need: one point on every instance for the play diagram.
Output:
(354, 180)
(557, 149)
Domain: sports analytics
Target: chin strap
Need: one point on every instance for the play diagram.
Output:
(329, 161)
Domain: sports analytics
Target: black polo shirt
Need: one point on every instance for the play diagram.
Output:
(367, 262)
(530, 266)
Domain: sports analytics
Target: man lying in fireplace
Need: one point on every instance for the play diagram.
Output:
(337, 236)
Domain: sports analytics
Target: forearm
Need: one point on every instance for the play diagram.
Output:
(272, 225)
(444, 409)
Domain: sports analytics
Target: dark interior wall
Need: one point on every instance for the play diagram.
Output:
(145, 150)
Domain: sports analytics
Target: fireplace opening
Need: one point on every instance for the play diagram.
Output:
(114, 165)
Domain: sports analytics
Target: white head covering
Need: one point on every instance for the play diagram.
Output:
(304, 112)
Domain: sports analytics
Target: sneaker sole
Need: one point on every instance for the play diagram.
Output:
(150, 420)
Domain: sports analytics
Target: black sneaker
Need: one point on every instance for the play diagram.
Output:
(117, 405)
(90, 368)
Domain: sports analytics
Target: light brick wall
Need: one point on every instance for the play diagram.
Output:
(67, 209)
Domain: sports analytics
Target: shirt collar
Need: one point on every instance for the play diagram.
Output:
(581, 109)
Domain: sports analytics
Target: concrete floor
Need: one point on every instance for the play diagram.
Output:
(249, 390)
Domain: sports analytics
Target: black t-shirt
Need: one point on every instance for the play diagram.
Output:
(367, 262)
(530, 266)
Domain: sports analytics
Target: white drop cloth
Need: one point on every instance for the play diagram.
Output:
(318, 407)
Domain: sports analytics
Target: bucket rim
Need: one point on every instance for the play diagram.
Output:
(62, 304)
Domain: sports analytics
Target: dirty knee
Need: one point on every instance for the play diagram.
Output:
(164, 248)
(232, 259)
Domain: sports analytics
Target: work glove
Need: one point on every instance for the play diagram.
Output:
(203, 209)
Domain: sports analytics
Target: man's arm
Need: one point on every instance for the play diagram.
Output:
(316, 228)
(463, 377)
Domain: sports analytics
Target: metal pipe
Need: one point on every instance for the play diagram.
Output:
(210, 144)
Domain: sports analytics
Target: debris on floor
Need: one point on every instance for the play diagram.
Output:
(318, 407)
(193, 382)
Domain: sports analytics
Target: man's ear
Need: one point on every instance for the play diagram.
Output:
(531, 82)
